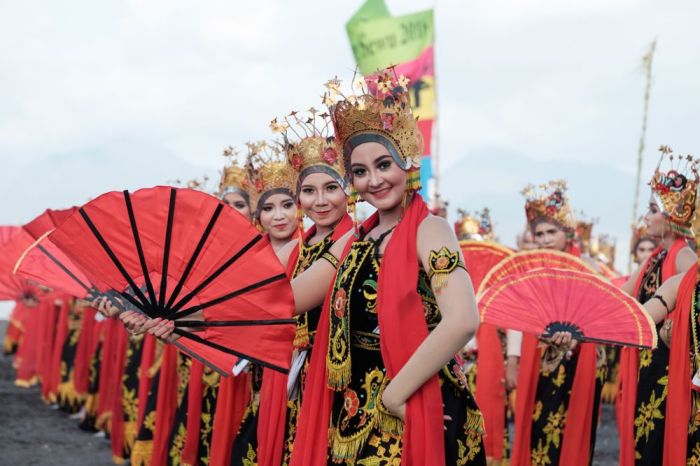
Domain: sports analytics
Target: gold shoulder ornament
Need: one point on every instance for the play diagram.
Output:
(442, 263)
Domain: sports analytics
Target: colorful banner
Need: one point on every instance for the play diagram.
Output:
(380, 40)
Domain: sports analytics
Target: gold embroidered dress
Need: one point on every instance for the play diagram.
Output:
(362, 431)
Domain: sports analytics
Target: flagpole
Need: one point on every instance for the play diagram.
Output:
(646, 63)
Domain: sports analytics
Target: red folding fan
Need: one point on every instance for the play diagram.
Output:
(481, 256)
(529, 260)
(44, 263)
(547, 300)
(48, 220)
(178, 253)
(15, 242)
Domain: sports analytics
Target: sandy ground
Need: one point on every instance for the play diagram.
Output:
(33, 434)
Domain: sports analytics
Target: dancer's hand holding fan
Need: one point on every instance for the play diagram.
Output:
(544, 300)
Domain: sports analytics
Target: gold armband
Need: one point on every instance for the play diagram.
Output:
(442, 263)
(330, 258)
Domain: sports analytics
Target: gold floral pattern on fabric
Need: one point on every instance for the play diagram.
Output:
(308, 254)
(652, 386)
(339, 358)
(550, 410)
(362, 430)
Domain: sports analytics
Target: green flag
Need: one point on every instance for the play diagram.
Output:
(371, 9)
(379, 40)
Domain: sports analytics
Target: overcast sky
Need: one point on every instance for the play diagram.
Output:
(105, 95)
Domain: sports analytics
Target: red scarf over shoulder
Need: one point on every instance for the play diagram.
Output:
(273, 396)
(679, 372)
(575, 450)
(629, 360)
(402, 327)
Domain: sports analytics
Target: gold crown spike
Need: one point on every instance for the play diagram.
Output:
(380, 112)
(603, 248)
(474, 226)
(675, 190)
(584, 230)
(549, 202)
(309, 146)
(268, 172)
(234, 178)
(639, 232)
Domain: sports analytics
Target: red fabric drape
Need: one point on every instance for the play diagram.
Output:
(233, 397)
(402, 326)
(273, 397)
(629, 361)
(148, 356)
(166, 405)
(117, 426)
(490, 394)
(679, 372)
(49, 334)
(194, 414)
(27, 357)
(85, 350)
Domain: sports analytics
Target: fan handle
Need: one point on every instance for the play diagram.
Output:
(577, 334)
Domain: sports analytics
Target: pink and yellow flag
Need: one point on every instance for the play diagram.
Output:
(380, 40)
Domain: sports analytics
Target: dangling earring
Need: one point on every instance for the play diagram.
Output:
(353, 198)
(300, 227)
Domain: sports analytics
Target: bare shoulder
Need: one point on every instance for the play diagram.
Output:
(434, 226)
(434, 233)
(685, 259)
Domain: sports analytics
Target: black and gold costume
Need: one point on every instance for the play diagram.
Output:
(67, 397)
(362, 431)
(307, 324)
(652, 389)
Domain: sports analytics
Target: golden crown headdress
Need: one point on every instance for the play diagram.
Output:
(234, 176)
(309, 146)
(268, 172)
(603, 248)
(549, 202)
(639, 233)
(584, 230)
(675, 190)
(474, 226)
(195, 183)
(380, 112)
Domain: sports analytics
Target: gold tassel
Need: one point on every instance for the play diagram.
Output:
(302, 338)
(339, 375)
(389, 423)
(413, 179)
(141, 453)
(130, 432)
(439, 281)
(353, 199)
(346, 448)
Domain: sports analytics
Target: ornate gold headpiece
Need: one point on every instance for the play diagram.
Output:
(309, 146)
(234, 177)
(639, 232)
(474, 226)
(584, 230)
(549, 202)
(603, 248)
(383, 116)
(675, 190)
(268, 172)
